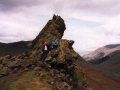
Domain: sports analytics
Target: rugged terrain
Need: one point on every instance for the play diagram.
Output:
(63, 69)
(59, 71)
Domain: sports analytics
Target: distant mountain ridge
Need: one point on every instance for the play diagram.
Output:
(13, 48)
(102, 52)
(107, 59)
(113, 46)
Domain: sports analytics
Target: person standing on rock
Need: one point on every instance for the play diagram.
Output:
(45, 51)
(54, 43)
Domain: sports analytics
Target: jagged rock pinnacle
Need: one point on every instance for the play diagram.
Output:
(54, 27)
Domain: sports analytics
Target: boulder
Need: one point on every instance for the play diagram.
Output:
(5, 71)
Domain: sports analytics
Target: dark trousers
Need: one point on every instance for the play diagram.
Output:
(43, 55)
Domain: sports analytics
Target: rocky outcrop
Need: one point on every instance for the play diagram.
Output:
(61, 63)
(54, 28)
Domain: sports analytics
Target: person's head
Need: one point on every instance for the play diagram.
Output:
(44, 42)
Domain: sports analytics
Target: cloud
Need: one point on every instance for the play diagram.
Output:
(18, 27)
(99, 6)
(112, 26)
(89, 22)
(13, 4)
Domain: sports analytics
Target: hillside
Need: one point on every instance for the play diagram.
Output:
(63, 68)
(102, 52)
(26, 71)
(99, 80)
(107, 59)
(111, 66)
(13, 48)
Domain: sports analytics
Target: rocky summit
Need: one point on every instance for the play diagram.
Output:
(61, 69)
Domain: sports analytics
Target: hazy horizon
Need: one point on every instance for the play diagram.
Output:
(90, 23)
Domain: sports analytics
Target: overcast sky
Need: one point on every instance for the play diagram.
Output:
(90, 23)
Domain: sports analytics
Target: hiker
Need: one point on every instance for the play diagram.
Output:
(54, 43)
(45, 51)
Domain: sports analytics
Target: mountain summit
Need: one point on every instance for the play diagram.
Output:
(61, 69)
(54, 27)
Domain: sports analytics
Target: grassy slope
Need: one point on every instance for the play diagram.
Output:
(111, 66)
(26, 81)
(98, 80)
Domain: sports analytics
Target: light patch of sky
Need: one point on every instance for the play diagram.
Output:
(84, 33)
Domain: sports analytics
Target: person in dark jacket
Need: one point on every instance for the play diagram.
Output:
(45, 51)
(54, 43)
